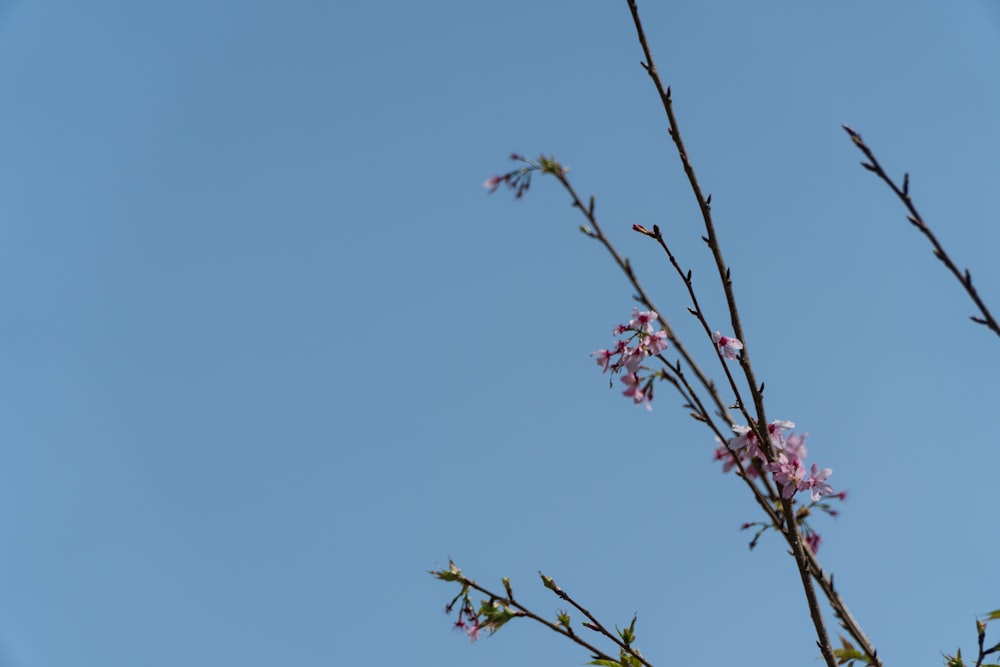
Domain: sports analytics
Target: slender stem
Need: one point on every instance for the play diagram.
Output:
(555, 627)
(596, 625)
(696, 311)
(840, 609)
(626, 267)
(791, 529)
(704, 204)
(903, 193)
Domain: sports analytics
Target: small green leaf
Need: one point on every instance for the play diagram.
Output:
(847, 654)
(954, 660)
(604, 663)
(993, 615)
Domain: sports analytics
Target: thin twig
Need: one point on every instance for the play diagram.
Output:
(697, 312)
(903, 193)
(623, 263)
(704, 205)
(555, 627)
(791, 531)
(840, 609)
(598, 234)
(594, 623)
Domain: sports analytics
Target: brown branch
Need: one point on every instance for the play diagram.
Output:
(623, 263)
(903, 193)
(791, 531)
(847, 620)
(704, 204)
(555, 627)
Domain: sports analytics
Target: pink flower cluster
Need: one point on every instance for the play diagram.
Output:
(629, 353)
(468, 619)
(788, 466)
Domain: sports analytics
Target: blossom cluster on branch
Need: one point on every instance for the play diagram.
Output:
(767, 456)
(630, 357)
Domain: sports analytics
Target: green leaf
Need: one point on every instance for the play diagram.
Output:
(847, 654)
(954, 660)
(604, 663)
(846, 644)
(993, 615)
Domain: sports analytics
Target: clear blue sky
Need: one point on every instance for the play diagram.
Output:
(270, 352)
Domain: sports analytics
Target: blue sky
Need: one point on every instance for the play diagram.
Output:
(272, 353)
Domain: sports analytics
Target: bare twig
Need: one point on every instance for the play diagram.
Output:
(792, 532)
(704, 204)
(903, 193)
(597, 233)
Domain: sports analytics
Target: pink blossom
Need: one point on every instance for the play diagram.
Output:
(656, 343)
(817, 484)
(795, 446)
(474, 630)
(790, 475)
(746, 439)
(634, 390)
(642, 321)
(632, 358)
(813, 540)
(776, 431)
(493, 182)
(729, 457)
(603, 359)
(728, 347)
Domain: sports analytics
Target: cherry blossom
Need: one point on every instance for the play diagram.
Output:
(728, 347)
(817, 484)
(630, 353)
